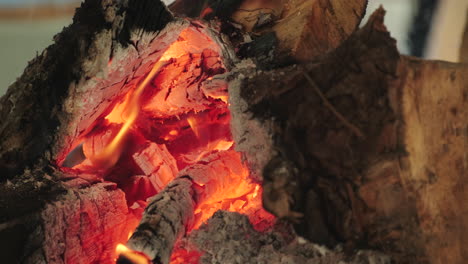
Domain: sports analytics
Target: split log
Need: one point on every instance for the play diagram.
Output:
(280, 30)
(303, 28)
(366, 144)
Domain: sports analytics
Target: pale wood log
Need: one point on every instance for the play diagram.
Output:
(165, 220)
(304, 28)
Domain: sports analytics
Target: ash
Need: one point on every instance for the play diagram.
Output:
(229, 237)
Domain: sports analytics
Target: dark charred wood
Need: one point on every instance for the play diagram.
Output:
(207, 9)
(32, 111)
(46, 221)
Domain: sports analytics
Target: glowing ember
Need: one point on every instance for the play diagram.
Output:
(175, 121)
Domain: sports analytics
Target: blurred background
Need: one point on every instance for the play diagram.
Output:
(424, 28)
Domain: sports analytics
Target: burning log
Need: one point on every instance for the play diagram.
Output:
(191, 199)
(165, 220)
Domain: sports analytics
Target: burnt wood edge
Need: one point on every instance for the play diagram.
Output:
(22, 201)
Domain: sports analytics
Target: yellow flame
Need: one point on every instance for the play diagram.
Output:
(256, 191)
(221, 145)
(223, 98)
(131, 255)
(111, 153)
(194, 125)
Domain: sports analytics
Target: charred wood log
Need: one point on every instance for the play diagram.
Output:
(45, 215)
(165, 220)
(45, 221)
(30, 126)
(229, 237)
(171, 213)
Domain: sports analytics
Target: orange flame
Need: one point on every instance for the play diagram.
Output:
(111, 153)
(194, 125)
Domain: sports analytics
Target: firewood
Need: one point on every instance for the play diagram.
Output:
(164, 221)
(50, 104)
(53, 222)
(380, 145)
(303, 28)
(463, 53)
(179, 207)
(247, 245)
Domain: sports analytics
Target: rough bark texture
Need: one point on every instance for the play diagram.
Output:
(34, 111)
(44, 221)
(369, 146)
(165, 220)
(39, 114)
(229, 238)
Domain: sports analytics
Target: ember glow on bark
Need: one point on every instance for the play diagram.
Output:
(173, 126)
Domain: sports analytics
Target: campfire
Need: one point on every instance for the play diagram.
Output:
(171, 126)
(232, 132)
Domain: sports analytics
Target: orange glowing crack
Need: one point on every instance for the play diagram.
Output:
(111, 153)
